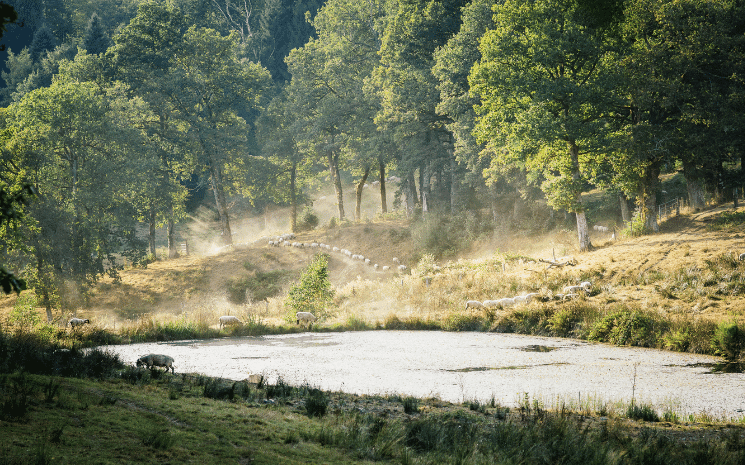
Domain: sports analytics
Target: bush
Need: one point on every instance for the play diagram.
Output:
(411, 405)
(643, 412)
(728, 341)
(316, 403)
(308, 219)
(625, 327)
(314, 292)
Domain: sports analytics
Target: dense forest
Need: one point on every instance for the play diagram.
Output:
(117, 112)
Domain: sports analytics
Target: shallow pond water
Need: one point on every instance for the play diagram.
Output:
(466, 366)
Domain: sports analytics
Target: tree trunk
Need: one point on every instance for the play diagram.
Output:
(454, 187)
(424, 178)
(172, 248)
(583, 233)
(649, 196)
(625, 211)
(383, 199)
(220, 203)
(693, 186)
(293, 197)
(151, 235)
(333, 161)
(410, 194)
(358, 195)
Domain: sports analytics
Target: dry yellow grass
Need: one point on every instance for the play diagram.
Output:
(195, 287)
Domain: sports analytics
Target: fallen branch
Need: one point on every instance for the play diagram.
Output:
(570, 262)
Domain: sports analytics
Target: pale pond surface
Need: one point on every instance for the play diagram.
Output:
(465, 366)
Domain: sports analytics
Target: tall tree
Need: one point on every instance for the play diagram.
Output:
(95, 40)
(546, 80)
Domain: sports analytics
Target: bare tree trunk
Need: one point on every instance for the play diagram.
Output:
(293, 198)
(410, 194)
(220, 203)
(333, 161)
(424, 186)
(649, 196)
(172, 249)
(383, 199)
(625, 211)
(454, 187)
(151, 233)
(358, 194)
(583, 233)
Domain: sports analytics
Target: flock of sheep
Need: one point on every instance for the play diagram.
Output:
(286, 240)
(569, 292)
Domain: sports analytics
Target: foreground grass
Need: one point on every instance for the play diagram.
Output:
(140, 416)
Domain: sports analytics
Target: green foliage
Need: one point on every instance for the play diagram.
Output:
(728, 341)
(257, 287)
(316, 403)
(726, 221)
(314, 292)
(158, 437)
(24, 315)
(308, 219)
(626, 327)
(410, 405)
(642, 412)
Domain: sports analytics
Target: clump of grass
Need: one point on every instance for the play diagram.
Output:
(158, 438)
(728, 341)
(627, 327)
(316, 403)
(644, 412)
(727, 220)
(411, 405)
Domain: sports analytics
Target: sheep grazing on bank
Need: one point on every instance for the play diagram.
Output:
(77, 322)
(306, 318)
(396, 261)
(506, 302)
(156, 360)
(402, 268)
(229, 320)
(585, 287)
(490, 303)
(742, 256)
(474, 304)
(386, 268)
(525, 299)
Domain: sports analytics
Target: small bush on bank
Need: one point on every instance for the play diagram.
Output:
(728, 341)
(627, 327)
(316, 403)
(314, 292)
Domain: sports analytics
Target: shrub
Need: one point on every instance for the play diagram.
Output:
(308, 219)
(644, 412)
(728, 341)
(625, 327)
(314, 292)
(316, 403)
(411, 405)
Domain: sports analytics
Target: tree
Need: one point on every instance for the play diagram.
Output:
(328, 85)
(77, 145)
(546, 80)
(44, 41)
(95, 40)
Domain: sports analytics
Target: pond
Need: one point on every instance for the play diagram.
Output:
(466, 366)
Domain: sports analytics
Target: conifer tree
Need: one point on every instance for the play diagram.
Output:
(44, 41)
(96, 40)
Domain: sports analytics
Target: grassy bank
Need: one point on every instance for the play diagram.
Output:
(59, 406)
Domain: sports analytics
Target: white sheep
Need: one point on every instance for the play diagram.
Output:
(575, 289)
(367, 261)
(506, 302)
(75, 322)
(335, 249)
(306, 317)
(602, 229)
(229, 320)
(396, 261)
(386, 268)
(376, 266)
(474, 304)
(156, 360)
(490, 303)
(742, 256)
(402, 268)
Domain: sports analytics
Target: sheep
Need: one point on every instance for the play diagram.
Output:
(490, 303)
(386, 268)
(306, 317)
(742, 256)
(335, 248)
(599, 228)
(474, 304)
(367, 261)
(506, 302)
(402, 268)
(574, 289)
(75, 322)
(376, 266)
(156, 360)
(314, 245)
(229, 320)
(586, 285)
(396, 261)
